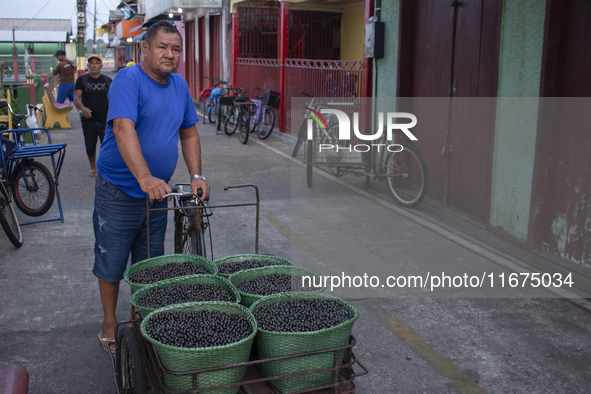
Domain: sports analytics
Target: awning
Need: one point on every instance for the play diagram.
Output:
(146, 24)
(139, 37)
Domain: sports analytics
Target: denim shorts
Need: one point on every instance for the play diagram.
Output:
(119, 222)
(64, 91)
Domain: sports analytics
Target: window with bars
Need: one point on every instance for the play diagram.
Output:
(312, 34)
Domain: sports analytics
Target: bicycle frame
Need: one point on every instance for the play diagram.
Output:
(178, 208)
(259, 112)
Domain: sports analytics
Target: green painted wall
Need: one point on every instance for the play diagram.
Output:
(388, 66)
(522, 35)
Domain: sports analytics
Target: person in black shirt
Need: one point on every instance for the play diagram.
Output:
(90, 97)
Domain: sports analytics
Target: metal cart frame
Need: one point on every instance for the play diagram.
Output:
(254, 383)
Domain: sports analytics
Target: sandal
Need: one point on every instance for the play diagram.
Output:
(105, 343)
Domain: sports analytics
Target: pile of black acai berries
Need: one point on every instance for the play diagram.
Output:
(301, 315)
(178, 294)
(235, 266)
(274, 283)
(198, 329)
(166, 271)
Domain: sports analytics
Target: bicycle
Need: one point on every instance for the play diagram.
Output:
(214, 109)
(190, 221)
(404, 169)
(32, 185)
(8, 219)
(239, 117)
(302, 132)
(262, 117)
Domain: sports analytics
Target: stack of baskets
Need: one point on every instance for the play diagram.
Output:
(269, 344)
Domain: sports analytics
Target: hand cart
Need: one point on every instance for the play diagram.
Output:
(137, 367)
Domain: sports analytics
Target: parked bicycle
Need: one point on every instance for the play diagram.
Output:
(215, 110)
(239, 118)
(32, 185)
(401, 167)
(262, 117)
(302, 131)
(8, 219)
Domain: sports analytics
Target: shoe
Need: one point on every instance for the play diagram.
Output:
(105, 343)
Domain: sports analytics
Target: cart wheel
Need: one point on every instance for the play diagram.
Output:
(309, 161)
(130, 368)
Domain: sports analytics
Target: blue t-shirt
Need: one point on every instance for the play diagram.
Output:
(159, 111)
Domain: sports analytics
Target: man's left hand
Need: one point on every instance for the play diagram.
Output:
(200, 184)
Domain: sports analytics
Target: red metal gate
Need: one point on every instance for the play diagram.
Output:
(263, 73)
(321, 78)
(191, 73)
(215, 46)
(201, 68)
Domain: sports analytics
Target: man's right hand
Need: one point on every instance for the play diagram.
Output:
(87, 113)
(154, 187)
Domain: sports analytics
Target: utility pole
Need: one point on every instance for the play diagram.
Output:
(14, 55)
(94, 46)
(81, 37)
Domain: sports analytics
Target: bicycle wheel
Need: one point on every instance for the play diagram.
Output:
(265, 126)
(407, 176)
(230, 124)
(35, 196)
(188, 238)
(309, 161)
(244, 124)
(212, 113)
(130, 368)
(300, 138)
(8, 219)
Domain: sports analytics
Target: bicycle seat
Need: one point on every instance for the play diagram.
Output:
(241, 99)
(258, 96)
(3, 126)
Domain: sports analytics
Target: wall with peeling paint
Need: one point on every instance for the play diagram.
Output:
(522, 34)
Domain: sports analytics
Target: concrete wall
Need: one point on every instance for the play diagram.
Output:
(388, 66)
(352, 33)
(522, 34)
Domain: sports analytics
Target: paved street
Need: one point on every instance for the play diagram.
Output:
(470, 340)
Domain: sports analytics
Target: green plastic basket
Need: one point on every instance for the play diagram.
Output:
(184, 280)
(242, 276)
(178, 359)
(241, 257)
(271, 344)
(161, 260)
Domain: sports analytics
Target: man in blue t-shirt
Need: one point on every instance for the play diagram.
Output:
(150, 109)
